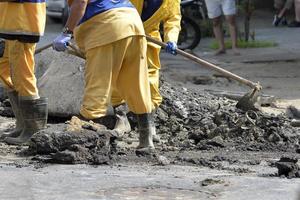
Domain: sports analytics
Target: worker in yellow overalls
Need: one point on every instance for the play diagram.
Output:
(110, 33)
(153, 13)
(22, 23)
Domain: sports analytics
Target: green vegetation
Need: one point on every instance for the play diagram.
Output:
(244, 44)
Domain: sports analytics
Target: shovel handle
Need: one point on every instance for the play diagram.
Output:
(39, 50)
(209, 65)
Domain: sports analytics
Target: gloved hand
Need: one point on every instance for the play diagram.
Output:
(60, 42)
(171, 48)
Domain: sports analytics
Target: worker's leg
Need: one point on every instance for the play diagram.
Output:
(154, 66)
(98, 81)
(133, 84)
(12, 94)
(32, 108)
(132, 81)
(21, 60)
(5, 69)
(153, 73)
(153, 60)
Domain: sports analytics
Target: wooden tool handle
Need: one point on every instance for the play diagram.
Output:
(209, 65)
(76, 51)
(39, 50)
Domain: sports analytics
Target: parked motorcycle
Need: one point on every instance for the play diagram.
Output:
(190, 34)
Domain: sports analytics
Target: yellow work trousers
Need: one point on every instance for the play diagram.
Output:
(17, 68)
(121, 65)
(153, 61)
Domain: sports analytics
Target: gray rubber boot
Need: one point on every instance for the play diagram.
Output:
(14, 102)
(35, 115)
(122, 125)
(146, 129)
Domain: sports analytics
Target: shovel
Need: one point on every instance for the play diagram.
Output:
(73, 51)
(39, 50)
(247, 102)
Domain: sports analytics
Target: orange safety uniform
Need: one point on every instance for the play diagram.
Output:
(169, 14)
(21, 25)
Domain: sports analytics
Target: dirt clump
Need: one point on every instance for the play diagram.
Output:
(288, 167)
(71, 144)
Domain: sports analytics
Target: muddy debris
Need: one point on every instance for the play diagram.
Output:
(187, 120)
(210, 181)
(72, 144)
(288, 167)
(198, 120)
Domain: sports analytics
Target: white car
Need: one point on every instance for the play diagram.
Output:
(58, 9)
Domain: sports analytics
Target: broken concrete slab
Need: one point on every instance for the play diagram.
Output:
(61, 81)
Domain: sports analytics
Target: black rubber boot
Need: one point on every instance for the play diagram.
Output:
(146, 129)
(122, 125)
(14, 102)
(35, 115)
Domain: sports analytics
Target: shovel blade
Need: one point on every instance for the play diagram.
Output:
(249, 101)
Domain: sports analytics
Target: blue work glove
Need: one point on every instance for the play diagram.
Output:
(171, 48)
(61, 41)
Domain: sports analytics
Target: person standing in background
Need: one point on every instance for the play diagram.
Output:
(296, 22)
(282, 7)
(215, 9)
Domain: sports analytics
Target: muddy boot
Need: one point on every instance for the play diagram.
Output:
(14, 101)
(146, 129)
(35, 115)
(122, 125)
(155, 137)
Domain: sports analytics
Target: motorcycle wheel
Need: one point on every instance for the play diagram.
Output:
(190, 34)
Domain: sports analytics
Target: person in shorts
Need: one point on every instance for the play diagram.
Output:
(217, 8)
(296, 22)
(282, 7)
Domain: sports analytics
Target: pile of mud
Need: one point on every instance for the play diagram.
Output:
(186, 120)
(72, 143)
(197, 120)
(288, 167)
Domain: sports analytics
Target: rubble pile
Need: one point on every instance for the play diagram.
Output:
(198, 120)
